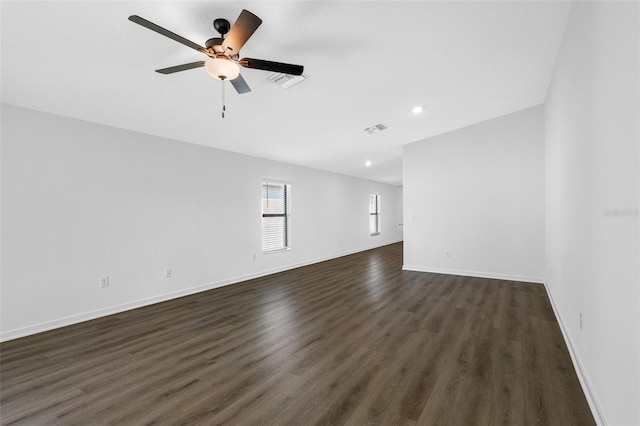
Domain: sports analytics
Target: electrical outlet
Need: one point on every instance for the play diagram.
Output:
(253, 256)
(167, 273)
(412, 218)
(339, 242)
(447, 253)
(104, 281)
(581, 323)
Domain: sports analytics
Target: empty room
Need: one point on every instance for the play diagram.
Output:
(320, 212)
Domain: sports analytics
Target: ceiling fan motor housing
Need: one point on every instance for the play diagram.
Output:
(215, 44)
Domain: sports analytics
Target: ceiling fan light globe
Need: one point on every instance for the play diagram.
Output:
(222, 69)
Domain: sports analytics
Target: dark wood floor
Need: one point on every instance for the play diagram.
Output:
(350, 341)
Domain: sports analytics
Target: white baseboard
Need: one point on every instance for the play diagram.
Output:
(587, 388)
(86, 316)
(508, 277)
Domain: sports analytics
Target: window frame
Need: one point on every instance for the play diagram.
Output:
(286, 215)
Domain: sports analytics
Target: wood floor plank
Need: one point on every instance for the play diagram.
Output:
(541, 403)
(507, 393)
(355, 340)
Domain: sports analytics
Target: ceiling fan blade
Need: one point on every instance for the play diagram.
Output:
(246, 24)
(153, 27)
(240, 85)
(261, 64)
(182, 67)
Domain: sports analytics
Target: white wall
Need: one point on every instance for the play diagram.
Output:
(82, 200)
(479, 193)
(592, 256)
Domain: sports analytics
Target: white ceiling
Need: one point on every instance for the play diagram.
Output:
(367, 62)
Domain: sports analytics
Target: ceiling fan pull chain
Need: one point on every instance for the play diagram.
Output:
(224, 107)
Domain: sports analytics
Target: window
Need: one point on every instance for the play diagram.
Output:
(276, 202)
(374, 214)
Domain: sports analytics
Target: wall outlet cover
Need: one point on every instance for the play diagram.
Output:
(104, 281)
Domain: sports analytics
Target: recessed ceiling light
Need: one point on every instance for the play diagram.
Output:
(417, 109)
(368, 163)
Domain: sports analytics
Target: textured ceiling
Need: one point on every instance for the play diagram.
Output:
(367, 62)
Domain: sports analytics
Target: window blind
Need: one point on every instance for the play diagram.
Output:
(374, 214)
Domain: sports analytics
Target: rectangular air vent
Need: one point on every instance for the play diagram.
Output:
(286, 80)
(375, 129)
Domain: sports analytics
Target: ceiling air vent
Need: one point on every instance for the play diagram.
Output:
(286, 80)
(375, 129)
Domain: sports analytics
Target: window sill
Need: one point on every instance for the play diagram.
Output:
(277, 250)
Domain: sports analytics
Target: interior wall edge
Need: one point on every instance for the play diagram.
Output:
(585, 382)
(478, 274)
(87, 316)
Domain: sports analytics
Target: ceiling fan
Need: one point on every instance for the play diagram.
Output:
(224, 51)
